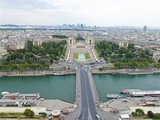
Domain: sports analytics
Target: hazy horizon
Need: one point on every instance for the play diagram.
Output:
(136, 13)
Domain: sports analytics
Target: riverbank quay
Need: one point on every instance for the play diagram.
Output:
(126, 71)
(73, 71)
(37, 73)
(129, 105)
(37, 106)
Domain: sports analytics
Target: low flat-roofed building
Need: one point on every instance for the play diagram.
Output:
(123, 44)
(3, 51)
(137, 47)
(156, 55)
(37, 42)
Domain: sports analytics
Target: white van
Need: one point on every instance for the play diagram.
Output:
(124, 117)
(98, 117)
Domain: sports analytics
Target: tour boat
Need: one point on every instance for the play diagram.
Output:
(4, 93)
(59, 74)
(126, 91)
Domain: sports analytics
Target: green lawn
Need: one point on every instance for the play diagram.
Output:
(17, 115)
(66, 53)
(11, 115)
(75, 56)
(87, 56)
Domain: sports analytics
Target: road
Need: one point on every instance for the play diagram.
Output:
(86, 98)
(88, 105)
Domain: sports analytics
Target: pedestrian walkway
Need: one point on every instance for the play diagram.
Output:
(94, 90)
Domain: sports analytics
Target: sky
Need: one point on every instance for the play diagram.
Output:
(89, 12)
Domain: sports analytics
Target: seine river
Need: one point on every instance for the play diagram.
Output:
(108, 84)
(49, 87)
(63, 87)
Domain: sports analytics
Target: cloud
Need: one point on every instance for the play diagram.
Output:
(91, 12)
(24, 4)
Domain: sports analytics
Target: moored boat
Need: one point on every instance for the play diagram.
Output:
(59, 74)
(4, 93)
(23, 96)
(126, 91)
(113, 96)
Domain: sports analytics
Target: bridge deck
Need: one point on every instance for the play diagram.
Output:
(94, 90)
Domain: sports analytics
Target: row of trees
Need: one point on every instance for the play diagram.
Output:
(28, 113)
(134, 65)
(124, 57)
(59, 36)
(25, 66)
(34, 57)
(140, 113)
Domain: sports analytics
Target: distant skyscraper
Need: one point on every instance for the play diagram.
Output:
(144, 28)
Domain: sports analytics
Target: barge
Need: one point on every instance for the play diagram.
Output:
(60, 74)
(152, 93)
(17, 96)
(127, 91)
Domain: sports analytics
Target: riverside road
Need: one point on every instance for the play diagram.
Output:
(88, 105)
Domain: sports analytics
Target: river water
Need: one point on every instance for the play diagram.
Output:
(49, 87)
(109, 84)
(63, 87)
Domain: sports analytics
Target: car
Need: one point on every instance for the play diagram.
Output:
(49, 117)
(98, 117)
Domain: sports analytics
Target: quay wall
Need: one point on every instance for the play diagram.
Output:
(126, 71)
(72, 71)
(35, 73)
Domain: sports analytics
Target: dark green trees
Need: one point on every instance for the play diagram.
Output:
(29, 113)
(124, 57)
(34, 57)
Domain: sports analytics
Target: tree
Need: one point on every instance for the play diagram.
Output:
(59, 53)
(29, 113)
(150, 114)
(139, 112)
(29, 45)
(100, 69)
(33, 57)
(156, 116)
(129, 55)
(131, 46)
(134, 114)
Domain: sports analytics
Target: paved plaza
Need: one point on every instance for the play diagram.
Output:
(80, 48)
